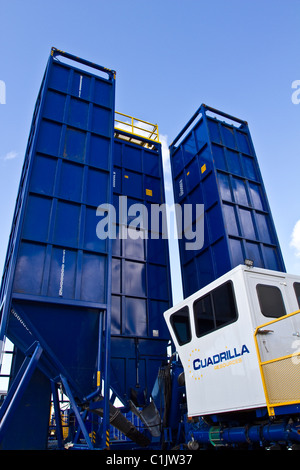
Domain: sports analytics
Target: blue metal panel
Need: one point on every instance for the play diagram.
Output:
(214, 163)
(140, 276)
(28, 428)
(56, 279)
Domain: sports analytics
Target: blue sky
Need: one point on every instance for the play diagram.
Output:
(170, 56)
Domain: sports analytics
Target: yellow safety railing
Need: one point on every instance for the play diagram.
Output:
(136, 127)
(278, 351)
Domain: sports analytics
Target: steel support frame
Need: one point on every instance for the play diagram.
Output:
(57, 415)
(77, 413)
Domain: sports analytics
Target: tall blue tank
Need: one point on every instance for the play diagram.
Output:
(213, 163)
(85, 311)
(141, 287)
(55, 279)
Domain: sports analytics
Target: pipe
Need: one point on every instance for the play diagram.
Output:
(119, 421)
(268, 433)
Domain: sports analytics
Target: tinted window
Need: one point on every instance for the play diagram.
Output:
(180, 322)
(204, 319)
(297, 291)
(270, 301)
(224, 305)
(215, 309)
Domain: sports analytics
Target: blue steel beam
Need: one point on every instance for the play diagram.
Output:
(18, 387)
(77, 413)
(57, 415)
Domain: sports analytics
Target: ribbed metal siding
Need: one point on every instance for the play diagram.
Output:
(140, 277)
(55, 275)
(70, 177)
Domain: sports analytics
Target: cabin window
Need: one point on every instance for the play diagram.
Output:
(204, 318)
(270, 301)
(297, 291)
(215, 310)
(180, 322)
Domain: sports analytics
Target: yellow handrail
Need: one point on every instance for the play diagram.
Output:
(275, 321)
(137, 127)
(271, 405)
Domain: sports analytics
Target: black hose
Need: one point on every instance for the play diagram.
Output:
(120, 422)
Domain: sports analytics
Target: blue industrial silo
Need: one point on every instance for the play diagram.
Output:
(82, 311)
(214, 164)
